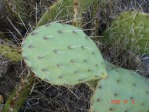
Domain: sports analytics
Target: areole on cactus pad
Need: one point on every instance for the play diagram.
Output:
(62, 54)
(122, 91)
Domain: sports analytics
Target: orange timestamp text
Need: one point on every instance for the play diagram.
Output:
(121, 101)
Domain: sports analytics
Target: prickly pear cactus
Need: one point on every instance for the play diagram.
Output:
(62, 54)
(129, 30)
(9, 51)
(122, 91)
(65, 10)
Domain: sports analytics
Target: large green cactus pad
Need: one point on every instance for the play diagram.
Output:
(129, 30)
(62, 54)
(122, 91)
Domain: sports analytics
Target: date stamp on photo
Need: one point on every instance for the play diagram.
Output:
(122, 101)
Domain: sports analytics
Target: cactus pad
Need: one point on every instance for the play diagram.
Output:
(122, 91)
(9, 50)
(129, 30)
(62, 54)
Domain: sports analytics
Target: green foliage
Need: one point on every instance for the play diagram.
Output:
(62, 54)
(129, 30)
(121, 84)
(21, 9)
(16, 9)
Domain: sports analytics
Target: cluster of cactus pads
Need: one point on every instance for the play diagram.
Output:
(64, 55)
